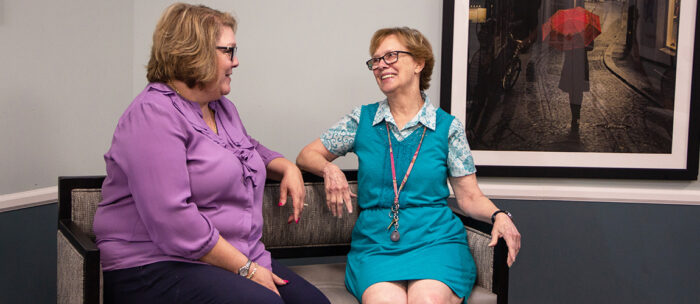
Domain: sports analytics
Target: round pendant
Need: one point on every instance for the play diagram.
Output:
(395, 236)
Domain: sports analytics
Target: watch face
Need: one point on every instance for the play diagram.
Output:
(243, 271)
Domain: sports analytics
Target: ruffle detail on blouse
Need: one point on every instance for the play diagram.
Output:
(241, 148)
(244, 154)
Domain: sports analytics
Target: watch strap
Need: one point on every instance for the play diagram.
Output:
(493, 216)
(243, 271)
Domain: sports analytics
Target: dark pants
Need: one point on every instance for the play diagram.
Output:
(179, 282)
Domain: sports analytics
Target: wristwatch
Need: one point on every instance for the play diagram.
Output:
(493, 216)
(243, 271)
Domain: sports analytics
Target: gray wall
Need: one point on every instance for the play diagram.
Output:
(65, 78)
(72, 68)
(69, 69)
(572, 252)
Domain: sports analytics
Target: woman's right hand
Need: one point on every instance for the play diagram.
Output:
(337, 190)
(266, 278)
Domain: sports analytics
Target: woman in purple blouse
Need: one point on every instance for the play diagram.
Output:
(181, 219)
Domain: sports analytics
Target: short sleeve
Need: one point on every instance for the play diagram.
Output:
(459, 157)
(340, 138)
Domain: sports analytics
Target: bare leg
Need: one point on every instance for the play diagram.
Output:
(431, 292)
(385, 293)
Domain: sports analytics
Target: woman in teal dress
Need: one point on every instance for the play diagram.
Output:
(407, 245)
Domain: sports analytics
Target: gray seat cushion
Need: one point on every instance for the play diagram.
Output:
(330, 279)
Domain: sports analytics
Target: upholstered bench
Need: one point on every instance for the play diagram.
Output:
(319, 240)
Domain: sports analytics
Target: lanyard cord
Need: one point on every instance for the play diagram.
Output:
(394, 214)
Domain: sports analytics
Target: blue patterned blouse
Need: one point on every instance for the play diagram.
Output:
(340, 138)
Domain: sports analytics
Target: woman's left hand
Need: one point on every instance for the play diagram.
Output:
(504, 227)
(473, 202)
(267, 279)
(292, 185)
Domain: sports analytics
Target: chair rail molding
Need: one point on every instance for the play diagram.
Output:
(492, 188)
(26, 199)
(642, 194)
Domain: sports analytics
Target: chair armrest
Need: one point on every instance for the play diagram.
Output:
(500, 271)
(79, 240)
(499, 284)
(87, 249)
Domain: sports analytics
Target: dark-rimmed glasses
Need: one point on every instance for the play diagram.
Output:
(389, 58)
(228, 50)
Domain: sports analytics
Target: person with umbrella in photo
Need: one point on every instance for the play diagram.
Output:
(573, 31)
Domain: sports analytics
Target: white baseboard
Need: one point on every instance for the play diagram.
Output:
(591, 193)
(26, 199)
(492, 189)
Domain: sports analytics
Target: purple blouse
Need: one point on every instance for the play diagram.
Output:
(173, 185)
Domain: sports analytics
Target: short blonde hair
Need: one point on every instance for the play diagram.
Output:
(184, 44)
(415, 42)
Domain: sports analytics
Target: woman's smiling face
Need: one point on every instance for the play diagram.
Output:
(224, 64)
(402, 75)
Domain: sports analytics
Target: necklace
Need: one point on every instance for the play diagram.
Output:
(394, 214)
(172, 86)
(212, 126)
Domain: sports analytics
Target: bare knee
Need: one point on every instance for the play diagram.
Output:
(434, 299)
(431, 292)
(428, 298)
(385, 293)
(383, 299)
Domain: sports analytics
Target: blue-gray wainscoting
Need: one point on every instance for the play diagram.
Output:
(573, 252)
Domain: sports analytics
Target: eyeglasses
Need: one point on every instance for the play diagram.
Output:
(228, 50)
(389, 58)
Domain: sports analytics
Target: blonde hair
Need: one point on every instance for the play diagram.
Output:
(415, 42)
(184, 44)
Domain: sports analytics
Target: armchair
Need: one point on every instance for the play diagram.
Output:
(316, 236)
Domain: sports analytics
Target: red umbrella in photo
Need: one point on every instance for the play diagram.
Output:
(570, 29)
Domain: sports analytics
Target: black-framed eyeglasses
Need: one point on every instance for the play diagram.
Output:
(389, 58)
(231, 50)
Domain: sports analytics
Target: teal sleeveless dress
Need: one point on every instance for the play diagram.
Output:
(433, 243)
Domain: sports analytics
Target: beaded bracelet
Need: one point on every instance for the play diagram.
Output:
(250, 275)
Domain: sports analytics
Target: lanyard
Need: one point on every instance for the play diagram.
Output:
(395, 236)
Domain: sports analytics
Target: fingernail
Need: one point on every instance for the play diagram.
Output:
(289, 221)
(280, 204)
(296, 221)
(286, 282)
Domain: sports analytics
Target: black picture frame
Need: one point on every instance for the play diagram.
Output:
(453, 91)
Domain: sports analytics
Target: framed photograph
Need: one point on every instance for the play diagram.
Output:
(573, 88)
